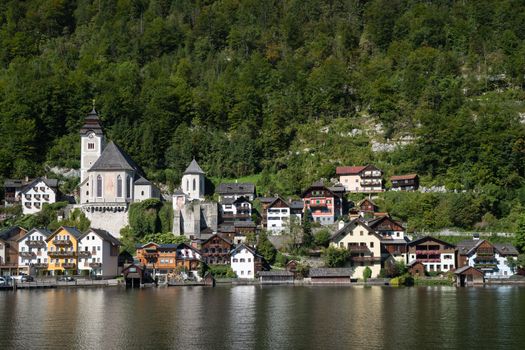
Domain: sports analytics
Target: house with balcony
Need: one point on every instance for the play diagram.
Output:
(409, 182)
(236, 190)
(239, 209)
(436, 255)
(32, 251)
(364, 245)
(367, 206)
(321, 204)
(98, 252)
(246, 262)
(490, 258)
(62, 248)
(12, 188)
(9, 249)
(360, 179)
(393, 236)
(216, 250)
(279, 213)
(157, 258)
(38, 192)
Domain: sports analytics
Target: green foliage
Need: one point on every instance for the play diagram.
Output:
(405, 280)
(367, 273)
(164, 238)
(266, 248)
(322, 238)
(143, 217)
(335, 257)
(76, 219)
(222, 271)
(280, 260)
(519, 235)
(203, 268)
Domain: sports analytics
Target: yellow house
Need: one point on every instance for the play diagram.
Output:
(62, 247)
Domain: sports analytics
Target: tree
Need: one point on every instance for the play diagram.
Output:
(266, 248)
(367, 273)
(519, 235)
(322, 238)
(335, 257)
(164, 238)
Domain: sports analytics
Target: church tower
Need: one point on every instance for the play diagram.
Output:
(192, 183)
(92, 143)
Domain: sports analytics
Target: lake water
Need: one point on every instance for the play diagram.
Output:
(260, 317)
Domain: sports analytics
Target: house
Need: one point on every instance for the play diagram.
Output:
(188, 257)
(364, 245)
(416, 268)
(12, 189)
(9, 249)
(468, 276)
(323, 205)
(227, 231)
(157, 258)
(236, 190)
(279, 213)
(367, 206)
(32, 251)
(276, 277)
(489, 258)
(393, 237)
(339, 275)
(109, 179)
(246, 262)
(409, 182)
(216, 250)
(98, 253)
(62, 251)
(238, 209)
(37, 193)
(436, 255)
(134, 275)
(360, 179)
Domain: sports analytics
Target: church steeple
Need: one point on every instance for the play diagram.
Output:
(92, 123)
(92, 142)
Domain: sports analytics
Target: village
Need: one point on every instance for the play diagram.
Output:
(222, 238)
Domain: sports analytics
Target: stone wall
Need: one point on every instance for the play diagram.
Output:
(109, 221)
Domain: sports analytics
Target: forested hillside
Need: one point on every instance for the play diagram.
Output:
(289, 89)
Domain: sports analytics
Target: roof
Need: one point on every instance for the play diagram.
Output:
(422, 239)
(403, 177)
(394, 241)
(249, 224)
(506, 249)
(216, 235)
(297, 204)
(247, 247)
(240, 199)
(178, 191)
(318, 184)
(350, 226)
(465, 247)
(10, 232)
(51, 183)
(376, 220)
(266, 199)
(414, 262)
(193, 168)
(226, 228)
(465, 268)
(91, 123)
(142, 181)
(71, 230)
(44, 231)
(349, 170)
(276, 273)
(366, 200)
(331, 272)
(105, 235)
(236, 188)
(469, 246)
(15, 183)
(114, 158)
(277, 199)
(337, 188)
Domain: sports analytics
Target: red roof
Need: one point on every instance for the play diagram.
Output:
(404, 177)
(349, 170)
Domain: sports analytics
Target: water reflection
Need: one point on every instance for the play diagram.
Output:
(278, 317)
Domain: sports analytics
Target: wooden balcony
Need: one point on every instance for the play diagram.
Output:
(84, 254)
(40, 265)
(150, 255)
(62, 242)
(365, 259)
(68, 266)
(27, 255)
(61, 254)
(95, 265)
(35, 243)
(358, 249)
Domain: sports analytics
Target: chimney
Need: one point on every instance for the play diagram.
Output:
(26, 178)
(475, 236)
(341, 224)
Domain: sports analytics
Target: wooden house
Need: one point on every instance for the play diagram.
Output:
(468, 275)
(276, 277)
(487, 257)
(331, 275)
(409, 182)
(435, 254)
(216, 250)
(416, 268)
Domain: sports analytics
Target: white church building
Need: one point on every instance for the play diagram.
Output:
(109, 179)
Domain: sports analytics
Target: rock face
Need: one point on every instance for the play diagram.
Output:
(66, 172)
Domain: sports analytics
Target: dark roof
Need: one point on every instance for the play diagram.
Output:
(464, 247)
(193, 168)
(105, 235)
(318, 184)
(465, 268)
(91, 123)
(236, 188)
(216, 235)
(15, 183)
(44, 231)
(467, 247)
(337, 188)
(226, 228)
(142, 181)
(276, 273)
(403, 177)
(422, 239)
(10, 232)
(114, 158)
(249, 224)
(266, 199)
(366, 200)
(331, 272)
(51, 183)
(414, 262)
(297, 204)
(394, 241)
(506, 249)
(178, 191)
(377, 220)
(247, 247)
(71, 230)
(227, 201)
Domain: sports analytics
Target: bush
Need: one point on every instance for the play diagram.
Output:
(222, 271)
(367, 273)
(280, 260)
(335, 257)
(322, 238)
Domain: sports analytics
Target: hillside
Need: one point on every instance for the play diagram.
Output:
(284, 89)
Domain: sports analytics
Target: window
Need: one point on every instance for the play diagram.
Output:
(141, 193)
(194, 184)
(187, 185)
(235, 260)
(91, 145)
(98, 248)
(128, 186)
(119, 186)
(242, 260)
(371, 244)
(99, 186)
(249, 259)
(361, 233)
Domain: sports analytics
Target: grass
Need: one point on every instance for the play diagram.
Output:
(249, 178)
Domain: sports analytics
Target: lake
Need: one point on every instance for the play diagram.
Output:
(260, 317)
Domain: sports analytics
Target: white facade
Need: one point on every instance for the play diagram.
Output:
(277, 219)
(107, 187)
(32, 249)
(35, 195)
(243, 263)
(500, 270)
(91, 147)
(193, 186)
(97, 255)
(366, 181)
(446, 262)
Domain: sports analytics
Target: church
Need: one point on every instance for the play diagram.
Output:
(109, 179)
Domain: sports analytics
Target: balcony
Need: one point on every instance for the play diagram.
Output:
(84, 254)
(27, 255)
(371, 175)
(40, 265)
(371, 183)
(35, 243)
(62, 242)
(424, 260)
(317, 205)
(95, 265)
(150, 255)
(358, 249)
(365, 259)
(68, 266)
(485, 259)
(61, 254)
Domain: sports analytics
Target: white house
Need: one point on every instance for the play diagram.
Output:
(37, 193)
(98, 253)
(279, 213)
(490, 258)
(239, 209)
(32, 251)
(360, 179)
(245, 261)
(236, 190)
